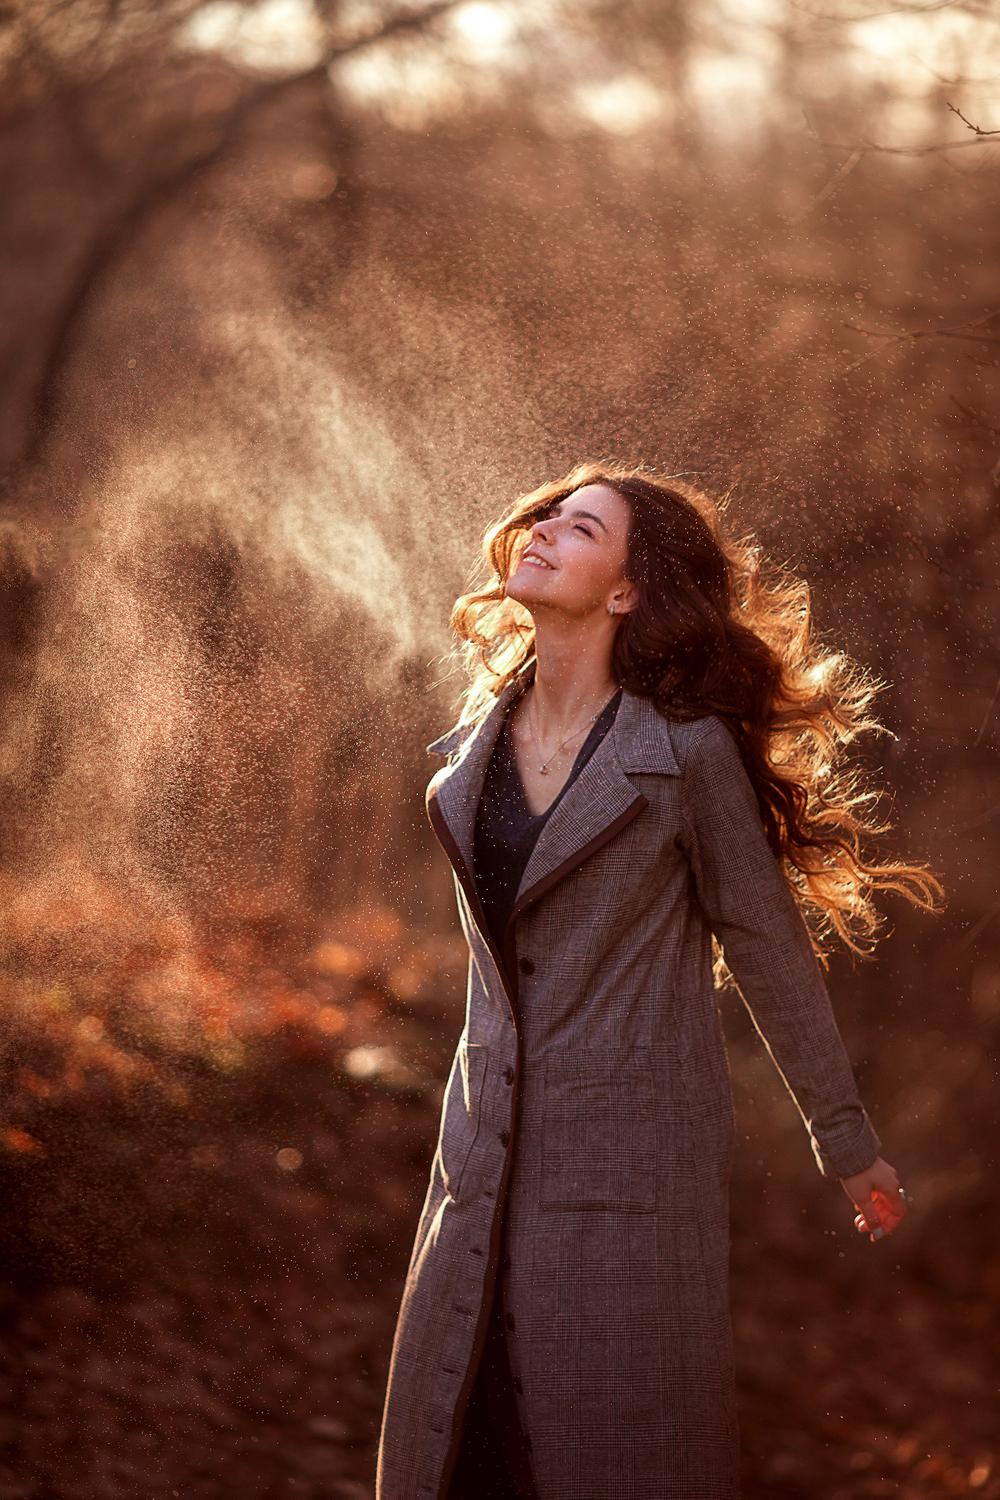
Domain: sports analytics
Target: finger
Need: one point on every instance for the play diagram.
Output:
(862, 1226)
(891, 1210)
(869, 1213)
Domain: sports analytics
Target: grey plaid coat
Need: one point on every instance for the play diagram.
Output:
(587, 1125)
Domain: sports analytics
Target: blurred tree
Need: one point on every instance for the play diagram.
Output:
(104, 118)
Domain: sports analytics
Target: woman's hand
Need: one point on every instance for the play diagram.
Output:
(878, 1197)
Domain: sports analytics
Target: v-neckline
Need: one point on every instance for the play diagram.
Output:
(571, 774)
(529, 816)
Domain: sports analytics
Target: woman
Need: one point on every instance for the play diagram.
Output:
(644, 765)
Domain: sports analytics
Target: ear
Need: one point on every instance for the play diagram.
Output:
(624, 598)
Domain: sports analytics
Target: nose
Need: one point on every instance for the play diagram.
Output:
(538, 531)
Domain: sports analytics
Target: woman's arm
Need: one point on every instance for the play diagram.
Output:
(753, 913)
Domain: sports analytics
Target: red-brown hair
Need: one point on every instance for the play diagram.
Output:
(718, 631)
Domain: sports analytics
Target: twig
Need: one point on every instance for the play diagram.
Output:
(958, 331)
(975, 417)
(970, 937)
(831, 187)
(978, 822)
(405, 20)
(987, 716)
(873, 147)
(924, 551)
(870, 15)
(976, 129)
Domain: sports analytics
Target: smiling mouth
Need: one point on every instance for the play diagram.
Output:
(539, 562)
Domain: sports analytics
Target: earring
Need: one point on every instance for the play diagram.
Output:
(611, 609)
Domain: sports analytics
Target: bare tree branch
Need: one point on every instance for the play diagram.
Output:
(975, 417)
(979, 821)
(872, 15)
(969, 937)
(976, 129)
(958, 331)
(831, 187)
(871, 148)
(986, 717)
(935, 559)
(404, 20)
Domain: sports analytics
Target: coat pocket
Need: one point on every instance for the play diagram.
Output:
(599, 1134)
(460, 1126)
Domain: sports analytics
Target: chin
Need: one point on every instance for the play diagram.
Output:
(523, 590)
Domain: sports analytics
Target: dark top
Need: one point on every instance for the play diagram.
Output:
(506, 831)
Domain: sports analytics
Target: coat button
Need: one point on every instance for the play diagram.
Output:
(519, 1388)
(505, 1137)
(506, 1262)
(526, 966)
(509, 1320)
(508, 1076)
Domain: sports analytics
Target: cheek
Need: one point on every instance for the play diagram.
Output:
(592, 574)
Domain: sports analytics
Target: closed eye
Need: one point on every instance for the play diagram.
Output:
(555, 511)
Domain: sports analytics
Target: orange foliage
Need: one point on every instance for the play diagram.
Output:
(103, 990)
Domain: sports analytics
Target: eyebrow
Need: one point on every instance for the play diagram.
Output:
(587, 515)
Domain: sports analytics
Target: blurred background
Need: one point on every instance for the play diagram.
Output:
(296, 298)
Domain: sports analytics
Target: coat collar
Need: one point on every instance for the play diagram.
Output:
(600, 802)
(641, 734)
(455, 791)
(452, 741)
(602, 799)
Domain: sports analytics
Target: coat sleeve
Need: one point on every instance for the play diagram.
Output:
(752, 910)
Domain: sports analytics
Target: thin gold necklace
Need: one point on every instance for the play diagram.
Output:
(543, 765)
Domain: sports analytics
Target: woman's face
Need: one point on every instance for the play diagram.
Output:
(574, 558)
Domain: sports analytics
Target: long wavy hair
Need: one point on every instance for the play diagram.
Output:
(718, 630)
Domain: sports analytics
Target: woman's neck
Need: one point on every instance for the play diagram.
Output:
(573, 677)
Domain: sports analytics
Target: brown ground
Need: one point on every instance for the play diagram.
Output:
(183, 1315)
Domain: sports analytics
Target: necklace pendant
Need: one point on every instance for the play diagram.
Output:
(543, 770)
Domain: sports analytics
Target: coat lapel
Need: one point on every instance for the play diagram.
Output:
(601, 802)
(598, 805)
(453, 797)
